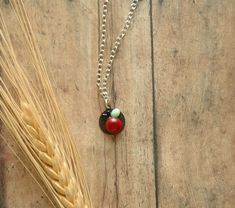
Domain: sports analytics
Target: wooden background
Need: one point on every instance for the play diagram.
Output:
(174, 78)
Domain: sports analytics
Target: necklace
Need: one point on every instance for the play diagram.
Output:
(112, 120)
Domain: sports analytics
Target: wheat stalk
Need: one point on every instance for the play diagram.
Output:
(36, 124)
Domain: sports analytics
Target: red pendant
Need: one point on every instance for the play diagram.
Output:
(112, 121)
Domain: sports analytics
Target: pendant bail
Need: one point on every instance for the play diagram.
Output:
(107, 104)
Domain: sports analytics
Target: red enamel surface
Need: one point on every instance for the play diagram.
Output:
(113, 125)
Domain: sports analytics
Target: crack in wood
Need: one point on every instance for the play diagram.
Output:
(155, 146)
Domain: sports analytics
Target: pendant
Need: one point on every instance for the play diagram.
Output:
(112, 121)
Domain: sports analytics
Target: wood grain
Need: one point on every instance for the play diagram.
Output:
(173, 79)
(194, 66)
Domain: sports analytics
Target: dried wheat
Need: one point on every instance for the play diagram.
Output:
(36, 124)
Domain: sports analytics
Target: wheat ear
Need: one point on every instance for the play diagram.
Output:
(48, 157)
(51, 159)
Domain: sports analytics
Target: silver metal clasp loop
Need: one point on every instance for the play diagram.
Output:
(107, 104)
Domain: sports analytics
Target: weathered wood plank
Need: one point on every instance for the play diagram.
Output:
(195, 90)
(133, 88)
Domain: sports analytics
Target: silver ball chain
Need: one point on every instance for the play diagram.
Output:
(102, 81)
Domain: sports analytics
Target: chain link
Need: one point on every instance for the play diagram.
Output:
(102, 80)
